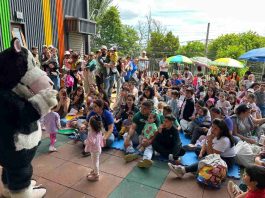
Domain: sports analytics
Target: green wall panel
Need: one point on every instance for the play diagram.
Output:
(5, 23)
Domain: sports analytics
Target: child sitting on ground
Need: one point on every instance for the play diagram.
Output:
(255, 111)
(198, 121)
(223, 103)
(174, 103)
(149, 132)
(126, 124)
(93, 144)
(52, 123)
(254, 179)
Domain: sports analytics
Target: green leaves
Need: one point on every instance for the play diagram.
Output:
(234, 45)
(192, 49)
(161, 44)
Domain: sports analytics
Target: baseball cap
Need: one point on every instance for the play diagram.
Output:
(44, 46)
(66, 53)
(251, 90)
(91, 54)
(104, 47)
(144, 52)
(50, 46)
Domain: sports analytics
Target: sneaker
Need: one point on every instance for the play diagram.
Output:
(93, 177)
(130, 157)
(233, 189)
(52, 149)
(157, 154)
(146, 163)
(177, 169)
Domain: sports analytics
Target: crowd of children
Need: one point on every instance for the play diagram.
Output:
(150, 112)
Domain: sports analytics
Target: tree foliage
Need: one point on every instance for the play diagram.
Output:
(98, 7)
(233, 45)
(162, 44)
(110, 28)
(130, 43)
(193, 48)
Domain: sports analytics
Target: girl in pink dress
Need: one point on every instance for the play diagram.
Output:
(93, 143)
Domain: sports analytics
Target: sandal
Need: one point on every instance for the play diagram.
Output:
(233, 189)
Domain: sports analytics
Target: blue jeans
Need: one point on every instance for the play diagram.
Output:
(56, 82)
(108, 84)
(262, 109)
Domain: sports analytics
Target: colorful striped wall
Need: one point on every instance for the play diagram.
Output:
(5, 23)
(47, 22)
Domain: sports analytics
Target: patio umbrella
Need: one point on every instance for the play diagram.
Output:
(255, 55)
(227, 62)
(202, 61)
(179, 59)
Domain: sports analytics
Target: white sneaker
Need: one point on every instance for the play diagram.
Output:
(52, 149)
(178, 170)
(157, 154)
(29, 193)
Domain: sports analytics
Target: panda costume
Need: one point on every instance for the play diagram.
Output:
(25, 96)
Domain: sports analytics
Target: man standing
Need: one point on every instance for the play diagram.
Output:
(163, 67)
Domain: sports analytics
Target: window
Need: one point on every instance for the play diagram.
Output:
(17, 31)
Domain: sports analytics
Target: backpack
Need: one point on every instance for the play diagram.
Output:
(212, 171)
(69, 81)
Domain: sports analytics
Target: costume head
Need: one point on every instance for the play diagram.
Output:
(19, 72)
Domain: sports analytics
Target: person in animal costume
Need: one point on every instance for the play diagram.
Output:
(25, 96)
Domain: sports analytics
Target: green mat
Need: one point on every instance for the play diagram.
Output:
(66, 131)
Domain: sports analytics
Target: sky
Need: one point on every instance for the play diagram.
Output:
(188, 19)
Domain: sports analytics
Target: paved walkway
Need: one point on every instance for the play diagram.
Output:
(63, 173)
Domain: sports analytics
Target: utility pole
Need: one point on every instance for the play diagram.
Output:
(149, 20)
(207, 38)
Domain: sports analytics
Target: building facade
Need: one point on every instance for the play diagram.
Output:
(64, 24)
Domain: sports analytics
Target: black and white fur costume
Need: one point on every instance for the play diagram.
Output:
(25, 96)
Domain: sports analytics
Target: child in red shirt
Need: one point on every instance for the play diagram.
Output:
(254, 179)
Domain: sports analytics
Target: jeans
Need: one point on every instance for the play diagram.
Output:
(108, 84)
(262, 109)
(184, 124)
(120, 81)
(56, 82)
(134, 142)
(164, 74)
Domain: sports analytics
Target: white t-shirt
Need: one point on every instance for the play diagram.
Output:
(223, 145)
(163, 65)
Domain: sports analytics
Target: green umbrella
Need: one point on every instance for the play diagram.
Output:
(227, 62)
(179, 59)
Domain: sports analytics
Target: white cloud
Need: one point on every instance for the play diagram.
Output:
(188, 18)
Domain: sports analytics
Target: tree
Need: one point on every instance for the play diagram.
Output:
(234, 45)
(110, 28)
(130, 43)
(98, 7)
(161, 44)
(193, 48)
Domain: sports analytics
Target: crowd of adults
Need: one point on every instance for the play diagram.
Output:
(149, 112)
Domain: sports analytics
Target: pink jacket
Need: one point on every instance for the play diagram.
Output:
(94, 142)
